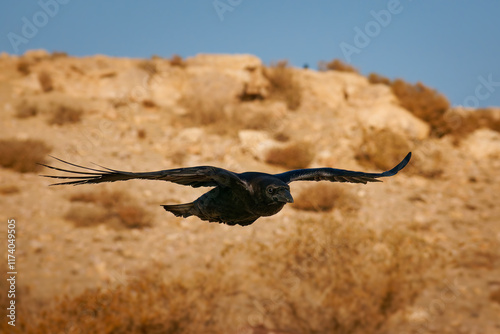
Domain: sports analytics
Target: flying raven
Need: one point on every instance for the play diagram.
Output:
(237, 198)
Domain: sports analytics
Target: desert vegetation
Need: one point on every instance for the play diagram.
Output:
(26, 110)
(337, 65)
(177, 61)
(282, 84)
(293, 155)
(64, 114)
(220, 113)
(424, 102)
(23, 156)
(322, 276)
(383, 149)
(46, 82)
(114, 209)
(149, 66)
(320, 197)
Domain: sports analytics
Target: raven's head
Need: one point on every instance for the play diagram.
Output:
(277, 191)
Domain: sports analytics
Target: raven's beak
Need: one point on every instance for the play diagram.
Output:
(284, 196)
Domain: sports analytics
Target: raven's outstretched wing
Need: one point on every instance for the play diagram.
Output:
(338, 175)
(202, 176)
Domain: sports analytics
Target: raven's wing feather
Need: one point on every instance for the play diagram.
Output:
(201, 176)
(339, 175)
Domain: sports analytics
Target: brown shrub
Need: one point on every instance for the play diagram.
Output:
(141, 133)
(495, 296)
(115, 209)
(22, 155)
(282, 84)
(294, 155)
(325, 196)
(177, 61)
(424, 102)
(206, 99)
(65, 115)
(26, 110)
(148, 103)
(461, 125)
(383, 149)
(201, 111)
(45, 80)
(9, 189)
(375, 78)
(281, 136)
(178, 156)
(58, 54)
(23, 66)
(337, 65)
(110, 74)
(149, 66)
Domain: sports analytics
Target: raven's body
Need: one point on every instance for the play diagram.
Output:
(233, 205)
(236, 199)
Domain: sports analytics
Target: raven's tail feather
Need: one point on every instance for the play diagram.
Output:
(180, 210)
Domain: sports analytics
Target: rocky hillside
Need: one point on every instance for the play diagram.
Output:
(417, 253)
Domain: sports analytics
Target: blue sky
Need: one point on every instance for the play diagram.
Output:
(453, 46)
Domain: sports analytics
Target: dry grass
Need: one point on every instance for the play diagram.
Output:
(65, 115)
(282, 84)
(149, 66)
(9, 189)
(202, 111)
(148, 103)
(324, 196)
(223, 121)
(342, 278)
(58, 54)
(430, 106)
(336, 65)
(293, 155)
(383, 149)
(26, 110)
(22, 155)
(23, 66)
(142, 133)
(495, 296)
(320, 277)
(115, 209)
(206, 101)
(461, 126)
(209, 104)
(150, 304)
(424, 102)
(376, 78)
(45, 80)
(177, 61)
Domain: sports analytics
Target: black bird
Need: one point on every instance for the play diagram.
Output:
(237, 198)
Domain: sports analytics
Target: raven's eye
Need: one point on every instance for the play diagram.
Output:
(270, 190)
